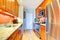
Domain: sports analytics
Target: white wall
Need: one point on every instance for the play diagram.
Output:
(20, 14)
(29, 20)
(31, 3)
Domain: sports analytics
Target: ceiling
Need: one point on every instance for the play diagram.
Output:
(30, 4)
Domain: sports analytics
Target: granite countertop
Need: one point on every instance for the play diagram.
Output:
(5, 32)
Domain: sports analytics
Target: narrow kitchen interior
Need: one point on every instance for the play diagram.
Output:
(29, 20)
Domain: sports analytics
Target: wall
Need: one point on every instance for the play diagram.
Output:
(31, 3)
(21, 8)
(29, 18)
(20, 13)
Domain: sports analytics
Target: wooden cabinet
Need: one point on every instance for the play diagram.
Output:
(16, 35)
(42, 32)
(10, 6)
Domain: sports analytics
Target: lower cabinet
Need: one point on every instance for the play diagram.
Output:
(16, 35)
(42, 32)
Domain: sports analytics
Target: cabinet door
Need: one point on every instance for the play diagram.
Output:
(9, 5)
(16, 35)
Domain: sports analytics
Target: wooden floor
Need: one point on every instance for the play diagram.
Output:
(51, 38)
(29, 35)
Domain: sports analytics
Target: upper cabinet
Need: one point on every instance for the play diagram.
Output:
(42, 6)
(10, 6)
